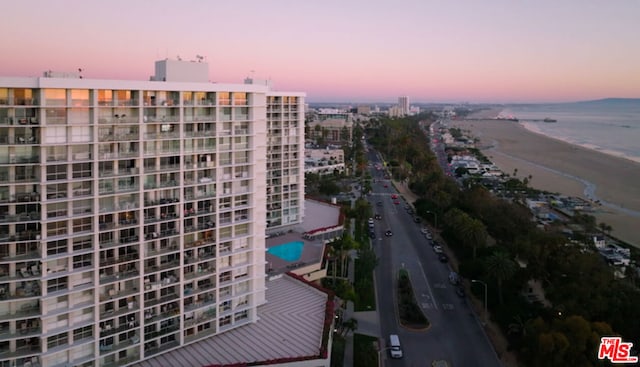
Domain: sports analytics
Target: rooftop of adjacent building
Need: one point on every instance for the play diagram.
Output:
(320, 214)
(291, 325)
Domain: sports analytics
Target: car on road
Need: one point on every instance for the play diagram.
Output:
(439, 363)
(437, 249)
(377, 216)
(385, 186)
(394, 196)
(443, 258)
(388, 233)
(379, 203)
(396, 202)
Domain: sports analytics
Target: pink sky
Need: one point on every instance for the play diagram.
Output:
(432, 51)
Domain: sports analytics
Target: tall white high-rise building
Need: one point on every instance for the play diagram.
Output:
(403, 105)
(133, 213)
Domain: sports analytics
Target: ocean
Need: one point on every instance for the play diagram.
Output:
(611, 126)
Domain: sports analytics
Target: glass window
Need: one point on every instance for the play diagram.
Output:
(80, 97)
(57, 340)
(239, 98)
(4, 96)
(56, 115)
(55, 97)
(83, 333)
(23, 97)
(105, 97)
(224, 98)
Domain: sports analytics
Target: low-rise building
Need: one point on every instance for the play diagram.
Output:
(324, 161)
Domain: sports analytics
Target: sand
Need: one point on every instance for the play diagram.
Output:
(560, 167)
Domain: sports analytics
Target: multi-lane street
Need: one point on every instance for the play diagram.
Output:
(455, 333)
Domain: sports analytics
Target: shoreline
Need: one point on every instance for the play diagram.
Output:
(495, 113)
(613, 153)
(555, 165)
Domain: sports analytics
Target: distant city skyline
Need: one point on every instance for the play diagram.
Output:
(357, 51)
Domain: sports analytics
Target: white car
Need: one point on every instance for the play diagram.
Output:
(424, 230)
(437, 249)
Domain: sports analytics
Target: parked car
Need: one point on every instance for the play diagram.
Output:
(388, 233)
(437, 249)
(443, 258)
(372, 235)
(460, 291)
(424, 230)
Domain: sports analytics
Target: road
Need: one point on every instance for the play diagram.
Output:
(455, 333)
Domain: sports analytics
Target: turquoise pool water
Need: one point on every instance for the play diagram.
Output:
(290, 251)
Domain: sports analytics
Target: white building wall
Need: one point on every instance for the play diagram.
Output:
(122, 241)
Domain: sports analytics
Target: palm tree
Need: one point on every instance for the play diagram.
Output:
(346, 244)
(349, 325)
(500, 267)
(473, 233)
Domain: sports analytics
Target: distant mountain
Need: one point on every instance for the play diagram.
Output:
(612, 100)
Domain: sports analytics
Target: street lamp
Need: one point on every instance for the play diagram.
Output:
(435, 218)
(485, 297)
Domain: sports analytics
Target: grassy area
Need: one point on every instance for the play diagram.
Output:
(410, 313)
(337, 351)
(365, 353)
(366, 296)
(363, 285)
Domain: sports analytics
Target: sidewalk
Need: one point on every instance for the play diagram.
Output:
(405, 192)
(368, 321)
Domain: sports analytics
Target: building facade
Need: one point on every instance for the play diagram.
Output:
(285, 161)
(133, 213)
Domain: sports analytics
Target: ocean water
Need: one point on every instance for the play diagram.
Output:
(611, 126)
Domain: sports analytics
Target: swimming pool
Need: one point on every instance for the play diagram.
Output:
(290, 251)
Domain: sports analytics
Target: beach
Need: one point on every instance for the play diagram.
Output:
(557, 166)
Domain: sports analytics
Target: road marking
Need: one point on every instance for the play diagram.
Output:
(426, 306)
(447, 306)
(440, 286)
(428, 286)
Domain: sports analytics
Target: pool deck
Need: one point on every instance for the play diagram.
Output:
(311, 253)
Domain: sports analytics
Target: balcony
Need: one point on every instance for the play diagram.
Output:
(25, 310)
(23, 330)
(161, 267)
(119, 259)
(106, 278)
(164, 299)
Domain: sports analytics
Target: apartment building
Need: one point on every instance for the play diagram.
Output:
(133, 213)
(285, 161)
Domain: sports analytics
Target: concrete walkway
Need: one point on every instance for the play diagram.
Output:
(368, 321)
